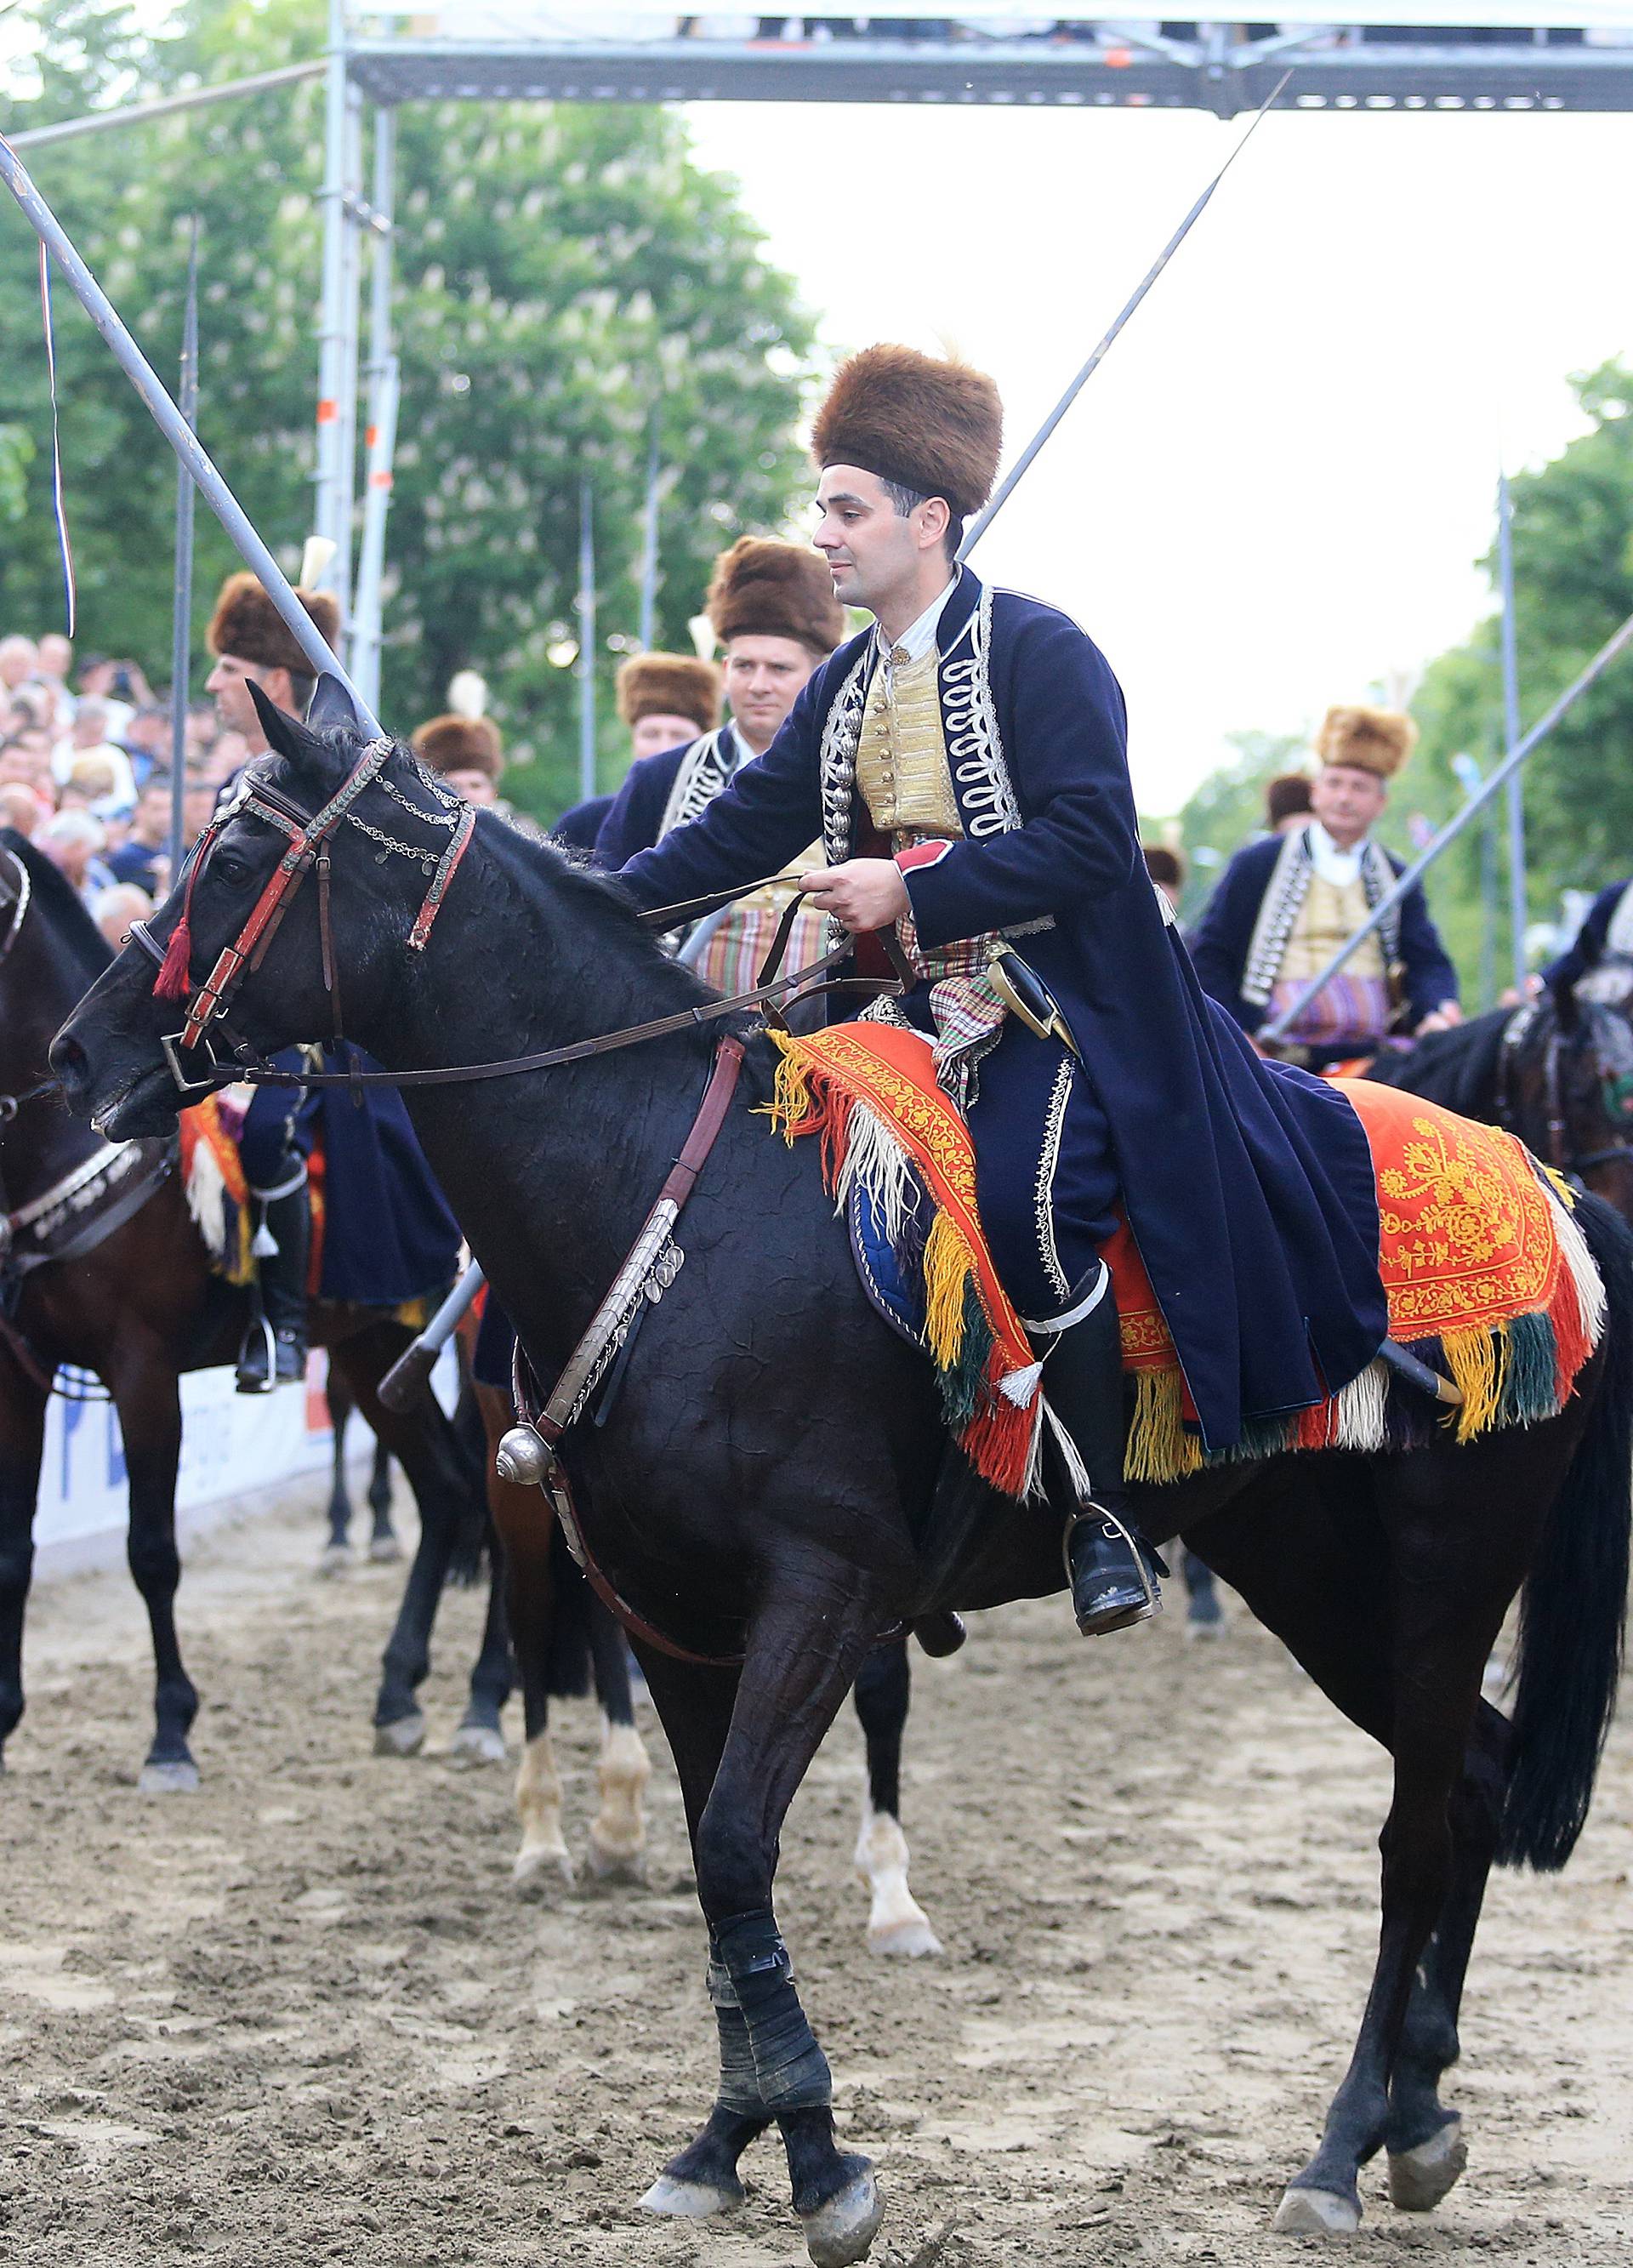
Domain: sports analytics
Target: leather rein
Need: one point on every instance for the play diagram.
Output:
(310, 838)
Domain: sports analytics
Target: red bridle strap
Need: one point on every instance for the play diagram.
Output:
(307, 840)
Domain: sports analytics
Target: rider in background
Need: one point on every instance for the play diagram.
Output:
(1287, 901)
(389, 1238)
(772, 606)
(665, 699)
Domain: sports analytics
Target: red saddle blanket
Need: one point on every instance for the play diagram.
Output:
(1487, 1278)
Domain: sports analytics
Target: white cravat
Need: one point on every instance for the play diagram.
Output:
(1333, 865)
(917, 640)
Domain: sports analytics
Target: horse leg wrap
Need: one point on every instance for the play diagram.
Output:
(739, 2081)
(792, 2069)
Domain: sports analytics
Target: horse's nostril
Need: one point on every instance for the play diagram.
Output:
(68, 1060)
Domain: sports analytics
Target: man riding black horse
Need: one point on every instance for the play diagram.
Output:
(963, 765)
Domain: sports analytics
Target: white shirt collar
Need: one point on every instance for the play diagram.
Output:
(1333, 865)
(918, 639)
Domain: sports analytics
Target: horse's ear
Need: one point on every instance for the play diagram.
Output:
(286, 735)
(333, 708)
(1567, 1008)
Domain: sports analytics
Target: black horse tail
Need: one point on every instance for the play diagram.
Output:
(1574, 1605)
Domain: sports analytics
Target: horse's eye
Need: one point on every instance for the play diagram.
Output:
(229, 867)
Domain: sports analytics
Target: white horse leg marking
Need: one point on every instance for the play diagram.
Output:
(618, 1831)
(539, 1807)
(897, 1923)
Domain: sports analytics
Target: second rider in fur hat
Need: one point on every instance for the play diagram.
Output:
(1285, 904)
(964, 760)
(772, 606)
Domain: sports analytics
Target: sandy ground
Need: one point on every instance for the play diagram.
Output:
(301, 2016)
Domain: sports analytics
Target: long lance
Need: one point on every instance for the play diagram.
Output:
(1493, 781)
(1019, 469)
(210, 484)
(181, 601)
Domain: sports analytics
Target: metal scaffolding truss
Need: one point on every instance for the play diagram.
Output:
(1482, 55)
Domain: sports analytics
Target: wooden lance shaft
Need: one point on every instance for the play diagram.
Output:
(174, 427)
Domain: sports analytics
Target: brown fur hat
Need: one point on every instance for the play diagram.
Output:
(765, 589)
(930, 425)
(459, 744)
(1377, 740)
(246, 623)
(669, 685)
(1285, 796)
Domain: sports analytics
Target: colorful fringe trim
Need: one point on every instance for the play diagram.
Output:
(216, 1191)
(1489, 1279)
(983, 1362)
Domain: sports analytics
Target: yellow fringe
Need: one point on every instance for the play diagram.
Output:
(792, 1102)
(1478, 1361)
(1557, 1182)
(1159, 1449)
(947, 1269)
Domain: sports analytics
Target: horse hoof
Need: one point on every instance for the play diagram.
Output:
(908, 1940)
(384, 1551)
(690, 2200)
(532, 1870)
(179, 1779)
(1420, 2177)
(403, 1737)
(616, 1869)
(842, 2230)
(477, 1744)
(1316, 2213)
(335, 1559)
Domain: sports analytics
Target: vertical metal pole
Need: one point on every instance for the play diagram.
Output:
(587, 641)
(1517, 914)
(181, 599)
(351, 323)
(380, 441)
(331, 332)
(649, 553)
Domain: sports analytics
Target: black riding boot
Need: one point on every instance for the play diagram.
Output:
(1113, 1569)
(274, 1347)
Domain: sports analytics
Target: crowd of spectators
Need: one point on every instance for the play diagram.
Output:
(85, 773)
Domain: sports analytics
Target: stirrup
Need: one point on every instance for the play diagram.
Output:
(245, 1383)
(1145, 1556)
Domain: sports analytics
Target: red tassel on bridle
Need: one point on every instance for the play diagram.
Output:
(173, 982)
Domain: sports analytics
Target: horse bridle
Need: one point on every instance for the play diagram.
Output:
(310, 839)
(1573, 1163)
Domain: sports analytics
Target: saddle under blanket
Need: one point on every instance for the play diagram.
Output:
(1489, 1279)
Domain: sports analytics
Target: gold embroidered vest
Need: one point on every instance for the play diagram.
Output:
(1331, 913)
(903, 772)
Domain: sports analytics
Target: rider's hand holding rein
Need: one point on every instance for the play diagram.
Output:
(864, 894)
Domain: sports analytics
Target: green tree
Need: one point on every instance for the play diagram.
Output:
(1228, 808)
(565, 276)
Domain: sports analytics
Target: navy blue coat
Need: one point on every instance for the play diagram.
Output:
(1586, 949)
(639, 807)
(1248, 1186)
(579, 825)
(1221, 941)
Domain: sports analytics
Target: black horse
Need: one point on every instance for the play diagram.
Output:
(766, 1487)
(140, 1307)
(1558, 1072)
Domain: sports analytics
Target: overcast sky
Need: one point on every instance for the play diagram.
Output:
(1273, 493)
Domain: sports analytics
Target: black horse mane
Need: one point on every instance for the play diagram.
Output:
(52, 889)
(1458, 1068)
